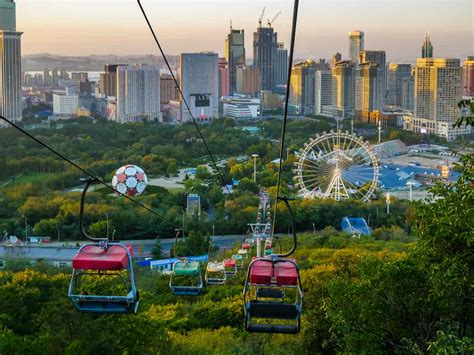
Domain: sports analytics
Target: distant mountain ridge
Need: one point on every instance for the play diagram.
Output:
(37, 62)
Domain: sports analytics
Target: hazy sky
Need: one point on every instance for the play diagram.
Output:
(83, 27)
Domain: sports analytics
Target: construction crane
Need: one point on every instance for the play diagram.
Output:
(261, 17)
(269, 22)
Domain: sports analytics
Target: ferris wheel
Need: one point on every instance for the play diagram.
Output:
(336, 165)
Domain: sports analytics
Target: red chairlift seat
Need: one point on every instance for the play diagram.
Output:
(261, 272)
(229, 263)
(246, 246)
(286, 273)
(93, 257)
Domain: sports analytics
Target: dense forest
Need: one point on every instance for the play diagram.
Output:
(361, 296)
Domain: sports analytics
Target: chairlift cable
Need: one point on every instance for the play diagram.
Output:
(285, 116)
(182, 96)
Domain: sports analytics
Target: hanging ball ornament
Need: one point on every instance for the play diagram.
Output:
(130, 180)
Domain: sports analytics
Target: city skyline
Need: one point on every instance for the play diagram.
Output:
(89, 27)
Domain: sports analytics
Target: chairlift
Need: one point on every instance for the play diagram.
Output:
(239, 262)
(215, 271)
(101, 259)
(186, 277)
(273, 295)
(230, 265)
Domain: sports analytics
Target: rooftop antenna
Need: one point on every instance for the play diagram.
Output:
(269, 22)
(261, 17)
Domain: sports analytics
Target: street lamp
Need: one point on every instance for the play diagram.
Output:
(314, 229)
(255, 156)
(26, 228)
(213, 231)
(410, 186)
(287, 153)
(387, 201)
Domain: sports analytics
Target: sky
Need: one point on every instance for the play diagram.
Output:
(85, 27)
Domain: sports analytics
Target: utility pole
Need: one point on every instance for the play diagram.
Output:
(255, 156)
(26, 228)
(387, 201)
(352, 126)
(380, 130)
(410, 186)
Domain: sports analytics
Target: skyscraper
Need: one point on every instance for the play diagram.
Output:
(407, 93)
(10, 63)
(168, 90)
(138, 93)
(468, 76)
(369, 89)
(281, 65)
(302, 95)
(249, 81)
(336, 57)
(235, 55)
(200, 86)
(343, 89)
(264, 49)
(323, 90)
(427, 49)
(437, 93)
(224, 87)
(379, 58)
(108, 80)
(396, 74)
(356, 44)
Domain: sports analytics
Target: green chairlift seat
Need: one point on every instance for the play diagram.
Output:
(186, 278)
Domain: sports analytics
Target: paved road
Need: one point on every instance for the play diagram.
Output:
(58, 252)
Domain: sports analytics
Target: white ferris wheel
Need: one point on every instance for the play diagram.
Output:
(336, 165)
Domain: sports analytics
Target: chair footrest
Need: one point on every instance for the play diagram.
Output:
(270, 293)
(273, 310)
(272, 328)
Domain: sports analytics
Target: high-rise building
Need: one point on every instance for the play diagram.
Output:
(379, 58)
(235, 55)
(78, 76)
(468, 77)
(437, 93)
(369, 90)
(10, 63)
(343, 89)
(302, 92)
(200, 86)
(65, 105)
(396, 74)
(265, 45)
(281, 65)
(323, 90)
(168, 90)
(108, 80)
(249, 81)
(356, 45)
(47, 79)
(224, 89)
(336, 57)
(138, 93)
(407, 100)
(427, 49)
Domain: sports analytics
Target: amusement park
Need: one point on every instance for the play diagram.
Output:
(286, 233)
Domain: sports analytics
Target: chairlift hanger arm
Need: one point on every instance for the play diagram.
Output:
(89, 181)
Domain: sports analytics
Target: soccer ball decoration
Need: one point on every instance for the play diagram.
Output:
(130, 180)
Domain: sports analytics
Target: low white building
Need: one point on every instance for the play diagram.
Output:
(428, 126)
(239, 108)
(65, 105)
